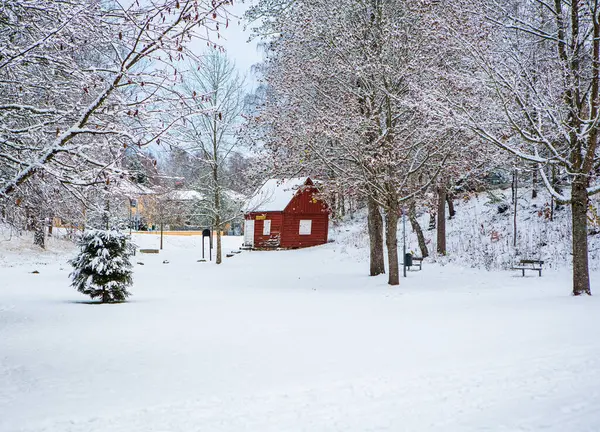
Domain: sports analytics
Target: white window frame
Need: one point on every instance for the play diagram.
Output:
(267, 227)
(305, 227)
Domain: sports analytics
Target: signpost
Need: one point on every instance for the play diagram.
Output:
(131, 204)
(404, 241)
(206, 232)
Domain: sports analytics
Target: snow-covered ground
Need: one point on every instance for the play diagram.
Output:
(482, 237)
(295, 341)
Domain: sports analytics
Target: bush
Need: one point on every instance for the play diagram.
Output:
(102, 268)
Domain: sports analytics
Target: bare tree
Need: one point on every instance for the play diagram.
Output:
(212, 135)
(84, 83)
(349, 94)
(542, 60)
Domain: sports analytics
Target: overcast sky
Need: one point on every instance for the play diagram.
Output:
(235, 41)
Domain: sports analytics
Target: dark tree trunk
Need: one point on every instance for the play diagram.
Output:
(512, 189)
(219, 248)
(412, 217)
(217, 186)
(36, 224)
(29, 225)
(106, 215)
(534, 181)
(451, 211)
(333, 206)
(391, 241)
(38, 236)
(554, 205)
(50, 220)
(579, 206)
(161, 234)
(515, 201)
(375, 223)
(441, 221)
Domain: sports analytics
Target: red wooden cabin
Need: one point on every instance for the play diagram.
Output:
(285, 213)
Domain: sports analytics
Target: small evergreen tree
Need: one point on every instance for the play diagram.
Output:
(102, 267)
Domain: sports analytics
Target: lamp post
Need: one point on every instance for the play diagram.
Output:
(130, 217)
(404, 241)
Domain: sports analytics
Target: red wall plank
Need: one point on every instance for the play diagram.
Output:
(273, 239)
(285, 226)
(291, 230)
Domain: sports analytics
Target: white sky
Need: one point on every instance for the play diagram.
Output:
(235, 41)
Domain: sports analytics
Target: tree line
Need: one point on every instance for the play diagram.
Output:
(395, 102)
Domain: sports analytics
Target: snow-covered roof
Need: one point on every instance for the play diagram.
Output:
(234, 196)
(193, 195)
(275, 195)
(185, 195)
(128, 188)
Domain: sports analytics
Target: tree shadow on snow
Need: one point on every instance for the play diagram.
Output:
(97, 302)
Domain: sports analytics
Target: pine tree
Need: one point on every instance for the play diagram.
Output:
(102, 267)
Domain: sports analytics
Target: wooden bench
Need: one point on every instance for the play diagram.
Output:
(527, 264)
(416, 261)
(149, 251)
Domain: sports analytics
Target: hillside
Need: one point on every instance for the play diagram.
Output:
(17, 248)
(472, 232)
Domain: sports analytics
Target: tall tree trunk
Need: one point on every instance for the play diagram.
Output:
(39, 239)
(515, 201)
(375, 223)
(37, 226)
(450, 200)
(553, 203)
(161, 233)
(552, 176)
(512, 189)
(29, 225)
(219, 248)
(106, 215)
(412, 217)
(579, 206)
(218, 225)
(217, 186)
(534, 182)
(391, 241)
(441, 221)
(333, 206)
(50, 223)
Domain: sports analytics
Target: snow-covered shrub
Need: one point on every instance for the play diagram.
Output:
(102, 268)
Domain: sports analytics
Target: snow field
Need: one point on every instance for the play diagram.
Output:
(296, 341)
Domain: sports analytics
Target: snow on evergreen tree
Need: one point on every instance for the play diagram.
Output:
(102, 267)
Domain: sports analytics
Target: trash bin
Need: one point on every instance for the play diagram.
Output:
(408, 260)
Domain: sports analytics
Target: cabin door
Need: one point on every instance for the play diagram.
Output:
(249, 232)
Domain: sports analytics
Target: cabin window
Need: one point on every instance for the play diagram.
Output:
(305, 227)
(267, 227)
